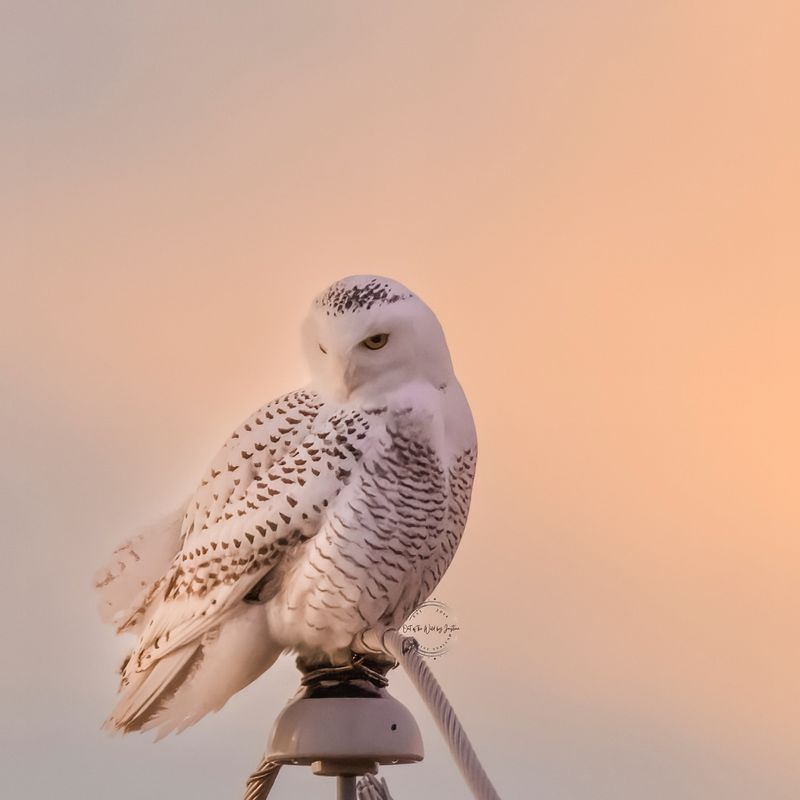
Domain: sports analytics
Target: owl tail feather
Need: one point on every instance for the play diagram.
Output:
(147, 693)
(188, 683)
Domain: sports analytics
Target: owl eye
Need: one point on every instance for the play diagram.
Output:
(376, 342)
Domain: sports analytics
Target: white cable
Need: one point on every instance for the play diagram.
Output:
(261, 781)
(370, 788)
(404, 649)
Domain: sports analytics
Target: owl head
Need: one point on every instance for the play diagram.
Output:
(366, 336)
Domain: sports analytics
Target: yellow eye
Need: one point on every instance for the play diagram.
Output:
(376, 342)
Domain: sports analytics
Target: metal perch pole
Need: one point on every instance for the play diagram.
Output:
(346, 787)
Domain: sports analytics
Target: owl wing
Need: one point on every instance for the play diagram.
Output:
(238, 556)
(205, 634)
(131, 580)
(261, 440)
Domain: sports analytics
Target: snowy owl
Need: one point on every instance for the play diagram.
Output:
(326, 517)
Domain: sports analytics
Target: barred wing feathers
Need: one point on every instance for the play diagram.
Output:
(263, 495)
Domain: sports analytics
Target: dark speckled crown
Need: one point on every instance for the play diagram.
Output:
(359, 294)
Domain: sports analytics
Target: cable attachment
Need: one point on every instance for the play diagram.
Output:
(405, 650)
(409, 644)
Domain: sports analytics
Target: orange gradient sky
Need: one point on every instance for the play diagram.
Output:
(599, 200)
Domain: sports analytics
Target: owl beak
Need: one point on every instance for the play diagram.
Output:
(342, 375)
(351, 383)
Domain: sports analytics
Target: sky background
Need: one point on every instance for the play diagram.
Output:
(600, 201)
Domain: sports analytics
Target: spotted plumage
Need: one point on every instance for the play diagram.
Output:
(330, 513)
(342, 297)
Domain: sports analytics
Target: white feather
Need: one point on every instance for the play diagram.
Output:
(135, 565)
(211, 670)
(231, 659)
